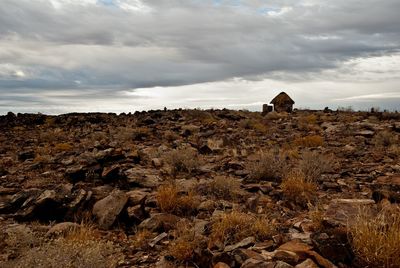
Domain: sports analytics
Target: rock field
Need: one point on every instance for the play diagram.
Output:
(196, 188)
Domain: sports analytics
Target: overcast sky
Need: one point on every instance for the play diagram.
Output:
(60, 56)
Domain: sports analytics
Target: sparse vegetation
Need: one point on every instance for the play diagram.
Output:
(183, 246)
(79, 248)
(170, 200)
(309, 141)
(385, 139)
(313, 165)
(376, 238)
(222, 187)
(298, 189)
(183, 160)
(232, 227)
(269, 165)
(175, 187)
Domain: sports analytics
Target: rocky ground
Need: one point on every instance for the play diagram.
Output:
(191, 188)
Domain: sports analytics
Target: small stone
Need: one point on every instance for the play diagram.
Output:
(242, 244)
(221, 265)
(111, 173)
(307, 264)
(157, 162)
(157, 239)
(281, 264)
(286, 256)
(253, 263)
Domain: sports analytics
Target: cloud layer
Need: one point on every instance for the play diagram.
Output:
(108, 47)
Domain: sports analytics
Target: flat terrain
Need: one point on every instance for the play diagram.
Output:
(193, 188)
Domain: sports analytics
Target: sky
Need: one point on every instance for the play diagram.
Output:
(60, 56)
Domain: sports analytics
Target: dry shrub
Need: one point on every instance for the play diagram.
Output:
(297, 189)
(376, 239)
(309, 141)
(307, 122)
(203, 116)
(316, 213)
(385, 139)
(313, 164)
(170, 136)
(233, 227)
(63, 147)
(253, 124)
(223, 188)
(64, 253)
(83, 232)
(80, 248)
(169, 200)
(183, 160)
(140, 133)
(185, 243)
(269, 165)
(141, 239)
(20, 238)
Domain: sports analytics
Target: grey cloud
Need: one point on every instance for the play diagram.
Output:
(180, 42)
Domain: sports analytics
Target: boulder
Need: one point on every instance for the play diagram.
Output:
(62, 228)
(343, 211)
(109, 208)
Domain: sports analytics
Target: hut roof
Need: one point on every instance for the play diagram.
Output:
(282, 98)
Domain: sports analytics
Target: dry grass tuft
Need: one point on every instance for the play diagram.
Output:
(183, 160)
(309, 141)
(376, 239)
(385, 139)
(297, 189)
(313, 164)
(183, 246)
(80, 248)
(169, 200)
(63, 147)
(269, 166)
(254, 124)
(223, 188)
(233, 227)
(141, 239)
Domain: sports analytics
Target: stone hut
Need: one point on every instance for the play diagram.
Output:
(282, 103)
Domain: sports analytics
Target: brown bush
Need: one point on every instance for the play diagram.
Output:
(63, 147)
(80, 248)
(269, 165)
(203, 116)
(169, 200)
(222, 187)
(297, 189)
(309, 141)
(141, 238)
(313, 164)
(385, 139)
(183, 160)
(376, 239)
(185, 243)
(253, 124)
(232, 227)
